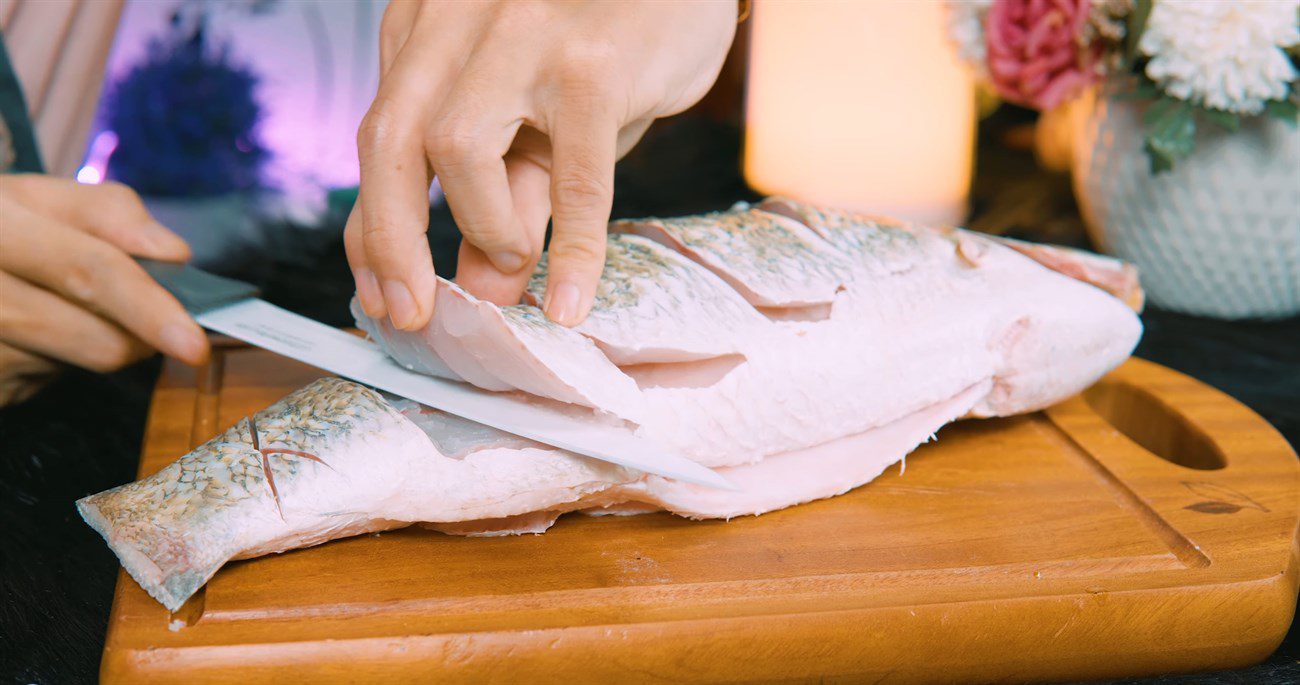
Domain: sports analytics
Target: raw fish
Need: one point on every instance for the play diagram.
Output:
(800, 351)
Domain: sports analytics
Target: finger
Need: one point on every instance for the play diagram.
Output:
(368, 293)
(22, 374)
(394, 29)
(97, 276)
(466, 144)
(395, 177)
(110, 211)
(583, 140)
(530, 195)
(40, 322)
(629, 135)
(394, 195)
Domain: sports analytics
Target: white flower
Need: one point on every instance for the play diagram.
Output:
(966, 28)
(1222, 54)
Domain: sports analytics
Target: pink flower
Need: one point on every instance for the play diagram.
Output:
(1036, 53)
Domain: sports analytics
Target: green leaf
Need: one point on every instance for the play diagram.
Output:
(1137, 23)
(1170, 133)
(1161, 110)
(1144, 89)
(1228, 120)
(1286, 110)
(1160, 161)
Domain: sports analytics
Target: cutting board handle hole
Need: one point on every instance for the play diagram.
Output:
(1151, 423)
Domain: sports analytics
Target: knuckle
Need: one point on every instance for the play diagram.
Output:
(353, 240)
(579, 191)
(111, 352)
(383, 248)
(378, 126)
(120, 196)
(122, 209)
(379, 236)
(587, 65)
(87, 274)
(577, 249)
(496, 240)
(452, 143)
(486, 234)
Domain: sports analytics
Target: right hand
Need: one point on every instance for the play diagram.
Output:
(520, 108)
(69, 290)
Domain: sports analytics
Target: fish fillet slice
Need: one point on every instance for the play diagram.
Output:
(875, 246)
(654, 305)
(769, 259)
(509, 348)
(1112, 275)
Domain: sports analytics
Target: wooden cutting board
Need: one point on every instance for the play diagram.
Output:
(1146, 526)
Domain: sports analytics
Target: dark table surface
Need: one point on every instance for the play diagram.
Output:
(82, 434)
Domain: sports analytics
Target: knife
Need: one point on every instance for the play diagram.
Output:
(229, 306)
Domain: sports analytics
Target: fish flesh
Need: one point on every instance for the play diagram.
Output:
(799, 350)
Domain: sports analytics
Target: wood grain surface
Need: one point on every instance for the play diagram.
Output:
(1146, 526)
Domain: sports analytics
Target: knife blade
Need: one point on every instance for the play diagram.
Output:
(231, 307)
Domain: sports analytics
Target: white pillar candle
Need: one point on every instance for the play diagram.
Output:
(859, 104)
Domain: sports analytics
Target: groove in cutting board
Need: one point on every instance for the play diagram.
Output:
(1186, 550)
(207, 404)
(208, 399)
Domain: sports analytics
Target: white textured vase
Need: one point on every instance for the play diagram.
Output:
(1217, 236)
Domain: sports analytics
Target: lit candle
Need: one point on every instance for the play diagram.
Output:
(860, 105)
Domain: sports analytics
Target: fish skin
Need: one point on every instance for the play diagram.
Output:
(769, 259)
(825, 358)
(1111, 275)
(695, 314)
(378, 470)
(219, 492)
(867, 237)
(384, 472)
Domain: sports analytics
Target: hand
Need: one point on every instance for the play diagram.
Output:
(70, 292)
(520, 109)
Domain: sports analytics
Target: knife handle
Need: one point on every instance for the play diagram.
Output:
(197, 290)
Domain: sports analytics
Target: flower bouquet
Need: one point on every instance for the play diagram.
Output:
(1195, 61)
(1185, 151)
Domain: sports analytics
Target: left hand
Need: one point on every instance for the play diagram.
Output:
(70, 291)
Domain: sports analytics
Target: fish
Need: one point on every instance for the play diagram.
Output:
(798, 350)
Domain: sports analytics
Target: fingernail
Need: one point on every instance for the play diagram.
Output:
(401, 305)
(562, 303)
(372, 300)
(507, 262)
(183, 341)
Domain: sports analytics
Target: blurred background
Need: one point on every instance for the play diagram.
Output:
(236, 121)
